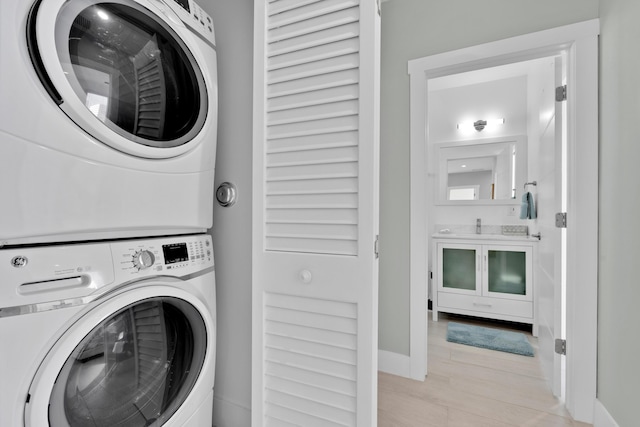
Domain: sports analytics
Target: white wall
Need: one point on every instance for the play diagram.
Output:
(413, 29)
(505, 98)
(619, 287)
(233, 20)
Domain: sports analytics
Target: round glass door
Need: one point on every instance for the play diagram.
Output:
(134, 369)
(130, 70)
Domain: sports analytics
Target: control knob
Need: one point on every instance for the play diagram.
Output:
(143, 259)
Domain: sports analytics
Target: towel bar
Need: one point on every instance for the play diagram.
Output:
(530, 183)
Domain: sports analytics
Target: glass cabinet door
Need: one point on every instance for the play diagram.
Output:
(508, 272)
(459, 268)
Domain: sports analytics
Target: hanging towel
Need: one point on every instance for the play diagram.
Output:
(527, 209)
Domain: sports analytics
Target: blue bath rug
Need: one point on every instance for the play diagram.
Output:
(493, 339)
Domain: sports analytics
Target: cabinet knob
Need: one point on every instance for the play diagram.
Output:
(306, 276)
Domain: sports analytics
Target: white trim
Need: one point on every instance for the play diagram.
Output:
(394, 363)
(257, 242)
(580, 42)
(508, 50)
(419, 250)
(229, 413)
(582, 230)
(602, 417)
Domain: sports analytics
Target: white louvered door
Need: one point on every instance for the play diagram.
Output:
(315, 213)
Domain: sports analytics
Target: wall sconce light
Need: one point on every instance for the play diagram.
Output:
(479, 125)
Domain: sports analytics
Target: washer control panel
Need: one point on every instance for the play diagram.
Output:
(62, 273)
(177, 256)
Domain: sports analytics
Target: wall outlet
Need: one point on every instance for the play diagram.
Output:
(511, 210)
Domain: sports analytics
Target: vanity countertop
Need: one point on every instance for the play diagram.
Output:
(484, 236)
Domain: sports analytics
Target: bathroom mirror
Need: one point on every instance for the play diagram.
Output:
(488, 172)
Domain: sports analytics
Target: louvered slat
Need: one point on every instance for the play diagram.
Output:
(313, 142)
(314, 127)
(313, 157)
(317, 186)
(306, 12)
(311, 216)
(310, 357)
(313, 67)
(337, 94)
(315, 112)
(279, 6)
(313, 25)
(319, 82)
(326, 43)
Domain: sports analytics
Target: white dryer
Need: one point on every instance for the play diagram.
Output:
(108, 119)
(113, 333)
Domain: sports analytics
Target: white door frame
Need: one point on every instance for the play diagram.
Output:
(580, 42)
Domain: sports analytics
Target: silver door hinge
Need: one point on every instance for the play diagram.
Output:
(561, 220)
(561, 346)
(376, 246)
(561, 93)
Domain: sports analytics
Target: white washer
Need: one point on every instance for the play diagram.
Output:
(108, 120)
(110, 333)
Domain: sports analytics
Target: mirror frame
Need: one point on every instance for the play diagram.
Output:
(441, 172)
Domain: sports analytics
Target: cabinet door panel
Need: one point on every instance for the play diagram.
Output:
(459, 271)
(508, 272)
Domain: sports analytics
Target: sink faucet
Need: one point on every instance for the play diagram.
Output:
(478, 226)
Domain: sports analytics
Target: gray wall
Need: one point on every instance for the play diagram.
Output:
(413, 29)
(233, 20)
(619, 287)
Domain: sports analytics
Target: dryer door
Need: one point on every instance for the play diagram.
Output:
(133, 360)
(125, 71)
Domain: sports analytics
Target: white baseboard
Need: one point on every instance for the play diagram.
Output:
(229, 414)
(602, 417)
(394, 363)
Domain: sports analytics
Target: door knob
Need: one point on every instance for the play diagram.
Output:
(226, 194)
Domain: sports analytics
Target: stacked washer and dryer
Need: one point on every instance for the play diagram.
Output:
(108, 123)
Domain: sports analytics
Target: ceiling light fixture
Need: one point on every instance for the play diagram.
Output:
(479, 125)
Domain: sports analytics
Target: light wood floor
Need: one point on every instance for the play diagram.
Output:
(471, 387)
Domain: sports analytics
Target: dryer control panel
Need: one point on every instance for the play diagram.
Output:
(175, 256)
(195, 17)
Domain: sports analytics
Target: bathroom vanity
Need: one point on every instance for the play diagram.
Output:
(485, 275)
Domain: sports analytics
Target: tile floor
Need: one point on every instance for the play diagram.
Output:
(471, 387)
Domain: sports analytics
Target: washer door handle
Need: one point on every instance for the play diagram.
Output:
(226, 194)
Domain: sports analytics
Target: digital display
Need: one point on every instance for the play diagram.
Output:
(184, 4)
(175, 252)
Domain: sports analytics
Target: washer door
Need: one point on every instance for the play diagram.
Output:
(131, 361)
(123, 70)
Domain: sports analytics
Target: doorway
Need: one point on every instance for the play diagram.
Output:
(578, 43)
(516, 154)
